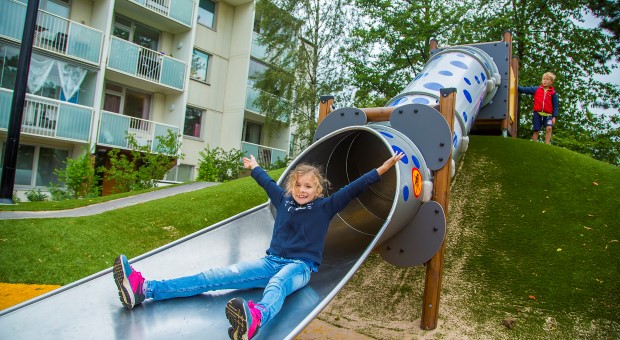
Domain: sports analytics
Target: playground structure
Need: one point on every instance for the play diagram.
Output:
(461, 89)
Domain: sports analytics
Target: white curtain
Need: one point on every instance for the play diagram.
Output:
(71, 78)
(39, 71)
(67, 76)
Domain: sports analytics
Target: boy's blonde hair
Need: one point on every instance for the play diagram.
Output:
(302, 169)
(550, 75)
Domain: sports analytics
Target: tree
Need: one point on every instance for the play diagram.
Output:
(390, 45)
(302, 38)
(609, 12)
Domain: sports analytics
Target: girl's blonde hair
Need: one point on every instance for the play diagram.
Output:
(550, 75)
(302, 169)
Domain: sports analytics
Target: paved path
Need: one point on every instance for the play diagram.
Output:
(107, 206)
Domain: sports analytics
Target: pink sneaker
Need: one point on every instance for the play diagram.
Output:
(129, 283)
(244, 319)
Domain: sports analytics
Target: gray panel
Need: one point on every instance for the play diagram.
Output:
(427, 129)
(497, 108)
(338, 119)
(419, 241)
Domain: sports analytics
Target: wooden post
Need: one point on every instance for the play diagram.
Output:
(325, 107)
(434, 267)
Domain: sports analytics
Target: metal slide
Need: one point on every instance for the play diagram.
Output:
(394, 217)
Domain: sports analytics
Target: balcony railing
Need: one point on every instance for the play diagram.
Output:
(253, 93)
(48, 117)
(114, 129)
(178, 10)
(52, 32)
(140, 62)
(264, 154)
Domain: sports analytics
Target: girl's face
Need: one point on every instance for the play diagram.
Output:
(305, 190)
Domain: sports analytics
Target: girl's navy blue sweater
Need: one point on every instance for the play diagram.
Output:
(299, 230)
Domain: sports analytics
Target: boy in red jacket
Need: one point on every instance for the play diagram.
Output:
(545, 106)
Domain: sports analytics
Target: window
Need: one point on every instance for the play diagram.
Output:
(36, 164)
(59, 7)
(252, 132)
(119, 99)
(206, 13)
(139, 34)
(193, 122)
(200, 66)
(180, 173)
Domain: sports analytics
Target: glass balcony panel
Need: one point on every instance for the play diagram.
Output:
(250, 98)
(173, 73)
(13, 18)
(283, 104)
(264, 154)
(49, 117)
(258, 51)
(6, 97)
(182, 11)
(249, 149)
(84, 42)
(74, 122)
(123, 56)
(147, 64)
(113, 129)
(162, 130)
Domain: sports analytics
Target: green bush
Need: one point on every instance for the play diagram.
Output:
(78, 177)
(217, 165)
(36, 196)
(142, 168)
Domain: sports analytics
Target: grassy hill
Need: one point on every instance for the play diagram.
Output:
(532, 248)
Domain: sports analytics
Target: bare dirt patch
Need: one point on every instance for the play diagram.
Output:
(385, 302)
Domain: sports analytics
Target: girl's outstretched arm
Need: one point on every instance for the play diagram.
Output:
(390, 163)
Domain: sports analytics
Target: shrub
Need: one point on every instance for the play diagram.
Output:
(78, 177)
(142, 168)
(36, 196)
(217, 165)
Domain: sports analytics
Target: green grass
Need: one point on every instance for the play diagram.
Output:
(63, 250)
(549, 230)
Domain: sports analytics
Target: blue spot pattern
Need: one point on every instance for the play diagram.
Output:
(445, 73)
(454, 140)
(386, 134)
(467, 95)
(459, 64)
(477, 80)
(416, 161)
(467, 81)
(398, 101)
(420, 100)
(396, 150)
(483, 76)
(433, 86)
(465, 116)
(460, 55)
(406, 193)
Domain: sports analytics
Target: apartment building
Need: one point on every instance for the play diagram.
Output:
(102, 69)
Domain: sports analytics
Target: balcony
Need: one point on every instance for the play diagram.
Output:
(49, 117)
(179, 13)
(139, 62)
(114, 129)
(283, 105)
(264, 154)
(52, 33)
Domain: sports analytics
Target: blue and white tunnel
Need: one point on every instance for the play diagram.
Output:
(396, 216)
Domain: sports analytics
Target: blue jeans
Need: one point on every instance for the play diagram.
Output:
(279, 276)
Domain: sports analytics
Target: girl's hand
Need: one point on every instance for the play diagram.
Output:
(390, 162)
(250, 163)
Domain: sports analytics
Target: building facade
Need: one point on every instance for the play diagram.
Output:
(103, 69)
